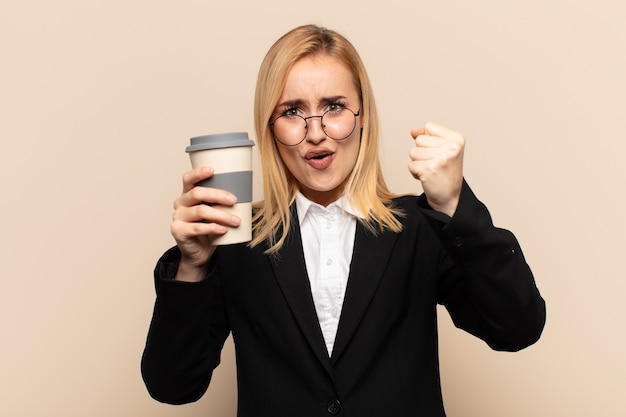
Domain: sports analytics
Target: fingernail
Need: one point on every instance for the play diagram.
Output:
(235, 220)
(231, 198)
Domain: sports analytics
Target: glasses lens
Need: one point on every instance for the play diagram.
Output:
(289, 130)
(338, 124)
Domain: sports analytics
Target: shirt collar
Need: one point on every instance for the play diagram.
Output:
(303, 205)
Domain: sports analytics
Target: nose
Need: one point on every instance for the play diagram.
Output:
(314, 131)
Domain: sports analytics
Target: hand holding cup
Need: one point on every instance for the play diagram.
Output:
(215, 207)
(197, 222)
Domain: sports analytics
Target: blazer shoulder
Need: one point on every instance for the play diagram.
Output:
(405, 200)
(407, 207)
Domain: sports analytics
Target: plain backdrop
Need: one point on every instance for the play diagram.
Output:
(98, 100)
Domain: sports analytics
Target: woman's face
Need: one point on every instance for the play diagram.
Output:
(321, 165)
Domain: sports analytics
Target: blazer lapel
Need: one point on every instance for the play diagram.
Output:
(291, 275)
(369, 260)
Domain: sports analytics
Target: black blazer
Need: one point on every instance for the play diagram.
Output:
(385, 357)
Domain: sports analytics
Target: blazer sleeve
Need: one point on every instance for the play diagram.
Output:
(186, 334)
(484, 280)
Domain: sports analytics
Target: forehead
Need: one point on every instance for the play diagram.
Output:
(318, 76)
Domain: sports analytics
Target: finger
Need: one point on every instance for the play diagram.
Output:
(191, 178)
(432, 129)
(417, 132)
(425, 153)
(437, 130)
(183, 231)
(194, 235)
(199, 195)
(428, 141)
(445, 153)
(205, 214)
(417, 169)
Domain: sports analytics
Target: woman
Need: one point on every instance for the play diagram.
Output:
(332, 306)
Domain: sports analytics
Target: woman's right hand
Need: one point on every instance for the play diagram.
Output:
(194, 223)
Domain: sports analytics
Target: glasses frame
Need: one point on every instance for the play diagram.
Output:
(306, 126)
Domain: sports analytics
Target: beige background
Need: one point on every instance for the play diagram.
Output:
(99, 98)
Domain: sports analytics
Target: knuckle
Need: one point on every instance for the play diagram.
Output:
(196, 228)
(187, 178)
(177, 203)
(218, 229)
(196, 193)
(176, 229)
(199, 210)
(176, 215)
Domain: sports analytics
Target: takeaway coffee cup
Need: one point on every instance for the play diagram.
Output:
(230, 155)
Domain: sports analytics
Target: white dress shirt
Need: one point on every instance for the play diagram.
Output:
(328, 240)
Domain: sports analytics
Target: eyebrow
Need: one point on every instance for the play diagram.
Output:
(298, 102)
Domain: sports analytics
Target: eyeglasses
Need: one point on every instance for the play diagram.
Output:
(290, 129)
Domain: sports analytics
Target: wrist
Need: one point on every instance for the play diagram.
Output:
(449, 208)
(188, 272)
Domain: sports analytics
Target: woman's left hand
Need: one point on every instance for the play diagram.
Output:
(437, 161)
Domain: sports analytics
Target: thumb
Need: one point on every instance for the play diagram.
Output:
(417, 132)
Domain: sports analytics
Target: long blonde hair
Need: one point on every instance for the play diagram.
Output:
(365, 188)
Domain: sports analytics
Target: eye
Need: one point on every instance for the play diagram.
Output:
(291, 112)
(335, 106)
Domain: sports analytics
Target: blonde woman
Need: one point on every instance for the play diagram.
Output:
(332, 306)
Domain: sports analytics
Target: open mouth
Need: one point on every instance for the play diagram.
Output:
(318, 155)
(319, 158)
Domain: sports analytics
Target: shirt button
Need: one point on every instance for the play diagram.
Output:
(333, 407)
(329, 262)
(334, 312)
(458, 241)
